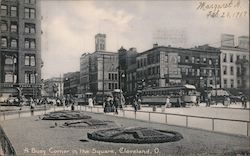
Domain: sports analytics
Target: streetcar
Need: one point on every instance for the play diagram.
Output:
(82, 99)
(179, 95)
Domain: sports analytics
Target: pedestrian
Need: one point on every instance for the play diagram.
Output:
(208, 99)
(178, 101)
(135, 104)
(139, 103)
(32, 106)
(90, 101)
(197, 100)
(244, 101)
(107, 105)
(116, 104)
(167, 104)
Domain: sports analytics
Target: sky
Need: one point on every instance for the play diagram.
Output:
(69, 27)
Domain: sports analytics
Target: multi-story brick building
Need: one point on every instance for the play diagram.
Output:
(165, 66)
(84, 73)
(235, 62)
(99, 70)
(71, 82)
(20, 48)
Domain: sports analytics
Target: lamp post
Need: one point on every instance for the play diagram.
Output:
(34, 86)
(215, 77)
(121, 77)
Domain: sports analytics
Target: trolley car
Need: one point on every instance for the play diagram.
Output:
(179, 95)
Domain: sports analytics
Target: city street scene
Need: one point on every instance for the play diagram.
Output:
(125, 77)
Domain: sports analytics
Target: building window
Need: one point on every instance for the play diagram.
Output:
(186, 71)
(30, 43)
(9, 60)
(210, 61)
(13, 11)
(244, 57)
(112, 76)
(145, 61)
(32, 13)
(13, 43)
(224, 57)
(4, 11)
(193, 70)
(231, 58)
(186, 59)
(232, 70)
(204, 72)
(192, 59)
(237, 57)
(197, 60)
(115, 76)
(29, 13)
(13, 27)
(225, 83)
(30, 28)
(4, 42)
(216, 61)
(4, 26)
(179, 59)
(30, 1)
(198, 72)
(109, 76)
(30, 77)
(211, 82)
(30, 60)
(238, 71)
(204, 60)
(232, 83)
(8, 78)
(238, 82)
(210, 72)
(224, 70)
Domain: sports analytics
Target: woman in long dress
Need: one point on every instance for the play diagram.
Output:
(90, 102)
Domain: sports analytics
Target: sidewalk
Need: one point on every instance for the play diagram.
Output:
(237, 105)
(42, 140)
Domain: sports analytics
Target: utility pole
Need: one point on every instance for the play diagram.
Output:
(215, 76)
(103, 78)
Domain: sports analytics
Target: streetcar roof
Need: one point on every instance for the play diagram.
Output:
(187, 86)
(117, 91)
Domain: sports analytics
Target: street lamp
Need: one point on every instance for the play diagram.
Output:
(35, 74)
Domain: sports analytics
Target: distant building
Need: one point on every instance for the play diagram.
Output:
(127, 70)
(20, 48)
(71, 82)
(166, 66)
(53, 87)
(84, 73)
(99, 70)
(235, 64)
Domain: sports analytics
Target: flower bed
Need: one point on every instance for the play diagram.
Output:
(138, 135)
(65, 115)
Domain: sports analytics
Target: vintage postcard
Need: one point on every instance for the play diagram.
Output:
(124, 77)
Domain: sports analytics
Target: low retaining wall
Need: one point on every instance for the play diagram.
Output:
(6, 146)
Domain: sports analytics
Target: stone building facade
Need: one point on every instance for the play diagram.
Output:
(99, 70)
(20, 48)
(167, 66)
(235, 63)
